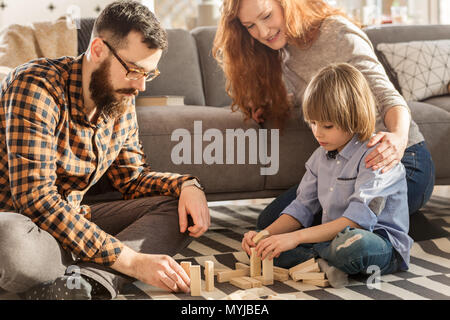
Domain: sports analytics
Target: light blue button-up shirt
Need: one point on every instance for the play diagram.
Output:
(344, 187)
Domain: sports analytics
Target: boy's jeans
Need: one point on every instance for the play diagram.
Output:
(352, 251)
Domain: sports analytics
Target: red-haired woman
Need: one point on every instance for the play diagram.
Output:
(270, 49)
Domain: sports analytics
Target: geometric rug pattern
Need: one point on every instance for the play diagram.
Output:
(428, 277)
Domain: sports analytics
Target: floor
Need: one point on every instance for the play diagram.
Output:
(442, 191)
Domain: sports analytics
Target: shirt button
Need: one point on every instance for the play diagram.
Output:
(331, 189)
(338, 162)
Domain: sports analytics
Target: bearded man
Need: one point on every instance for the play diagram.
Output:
(64, 124)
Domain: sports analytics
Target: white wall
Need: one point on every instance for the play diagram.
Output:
(27, 11)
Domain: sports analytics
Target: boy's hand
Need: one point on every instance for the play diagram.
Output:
(247, 241)
(273, 246)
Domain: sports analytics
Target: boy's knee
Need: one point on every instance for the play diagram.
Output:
(351, 241)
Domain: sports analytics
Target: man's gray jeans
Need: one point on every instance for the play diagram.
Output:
(30, 255)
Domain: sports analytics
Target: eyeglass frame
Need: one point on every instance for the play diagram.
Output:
(149, 76)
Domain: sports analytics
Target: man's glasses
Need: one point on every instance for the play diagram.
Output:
(134, 74)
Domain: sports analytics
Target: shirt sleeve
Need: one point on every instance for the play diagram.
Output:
(32, 121)
(133, 177)
(372, 189)
(306, 204)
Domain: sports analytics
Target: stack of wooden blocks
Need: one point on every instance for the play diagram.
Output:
(248, 277)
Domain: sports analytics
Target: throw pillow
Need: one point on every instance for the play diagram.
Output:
(422, 67)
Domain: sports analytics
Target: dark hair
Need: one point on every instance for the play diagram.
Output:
(120, 17)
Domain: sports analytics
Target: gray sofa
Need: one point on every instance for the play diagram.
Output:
(188, 69)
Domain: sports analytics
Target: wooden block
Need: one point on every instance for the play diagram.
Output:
(217, 270)
(240, 265)
(235, 295)
(209, 276)
(225, 276)
(261, 235)
(267, 270)
(196, 281)
(186, 265)
(249, 296)
(318, 282)
(302, 265)
(264, 282)
(281, 297)
(255, 283)
(255, 264)
(241, 283)
(312, 268)
(281, 270)
(308, 276)
(280, 276)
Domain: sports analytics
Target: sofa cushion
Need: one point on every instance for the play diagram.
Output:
(213, 76)
(403, 33)
(296, 145)
(422, 67)
(434, 123)
(84, 31)
(180, 70)
(440, 101)
(156, 126)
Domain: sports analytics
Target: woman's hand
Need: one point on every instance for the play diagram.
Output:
(273, 246)
(258, 115)
(388, 153)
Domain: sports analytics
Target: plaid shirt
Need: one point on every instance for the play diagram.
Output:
(50, 155)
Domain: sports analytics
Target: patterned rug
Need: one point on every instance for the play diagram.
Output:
(427, 278)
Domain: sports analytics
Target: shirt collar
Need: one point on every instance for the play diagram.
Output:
(75, 88)
(350, 147)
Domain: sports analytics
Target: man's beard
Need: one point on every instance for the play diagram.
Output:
(102, 92)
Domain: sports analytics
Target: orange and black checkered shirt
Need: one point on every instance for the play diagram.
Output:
(50, 155)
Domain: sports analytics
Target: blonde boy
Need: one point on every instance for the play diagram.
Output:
(365, 218)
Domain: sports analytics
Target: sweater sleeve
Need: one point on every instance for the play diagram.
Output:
(356, 49)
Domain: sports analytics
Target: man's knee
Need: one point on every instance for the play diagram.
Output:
(13, 234)
(28, 255)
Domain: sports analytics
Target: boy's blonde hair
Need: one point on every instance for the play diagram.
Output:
(340, 94)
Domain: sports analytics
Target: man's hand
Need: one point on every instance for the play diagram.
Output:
(389, 151)
(163, 272)
(193, 202)
(157, 270)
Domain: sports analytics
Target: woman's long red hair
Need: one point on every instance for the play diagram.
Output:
(253, 71)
